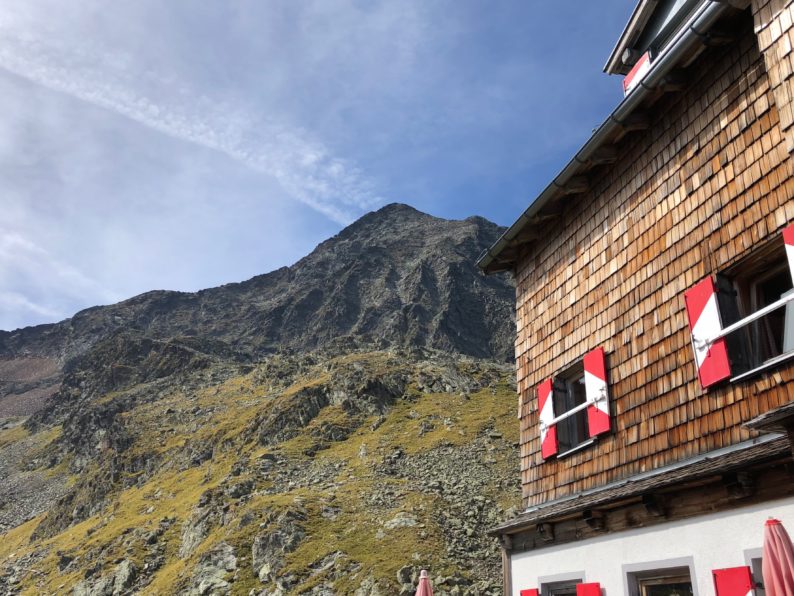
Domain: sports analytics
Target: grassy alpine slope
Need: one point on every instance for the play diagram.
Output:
(303, 474)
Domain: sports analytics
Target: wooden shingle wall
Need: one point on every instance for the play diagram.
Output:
(707, 183)
(774, 27)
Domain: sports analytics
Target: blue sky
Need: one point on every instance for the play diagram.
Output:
(181, 145)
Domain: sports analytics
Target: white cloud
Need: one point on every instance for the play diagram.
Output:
(301, 164)
(46, 286)
(14, 301)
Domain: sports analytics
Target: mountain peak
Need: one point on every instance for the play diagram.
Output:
(395, 277)
(397, 209)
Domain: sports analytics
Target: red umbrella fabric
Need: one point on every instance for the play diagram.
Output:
(424, 588)
(777, 563)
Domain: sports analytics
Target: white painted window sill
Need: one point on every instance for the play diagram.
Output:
(772, 362)
(579, 447)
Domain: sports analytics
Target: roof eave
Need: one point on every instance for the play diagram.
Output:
(750, 453)
(690, 34)
(637, 21)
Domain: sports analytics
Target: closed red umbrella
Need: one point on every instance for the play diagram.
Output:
(777, 564)
(424, 588)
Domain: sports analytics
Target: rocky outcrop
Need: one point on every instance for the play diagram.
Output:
(282, 536)
(209, 575)
(207, 514)
(395, 277)
(354, 391)
(393, 449)
(119, 581)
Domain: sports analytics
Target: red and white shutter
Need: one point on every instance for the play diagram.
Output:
(734, 581)
(595, 385)
(591, 589)
(530, 592)
(788, 240)
(704, 322)
(548, 433)
(636, 74)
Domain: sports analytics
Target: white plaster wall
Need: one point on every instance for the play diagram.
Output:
(714, 541)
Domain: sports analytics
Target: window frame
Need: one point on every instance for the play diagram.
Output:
(644, 583)
(564, 386)
(722, 315)
(595, 412)
(634, 574)
(564, 581)
(745, 278)
(753, 558)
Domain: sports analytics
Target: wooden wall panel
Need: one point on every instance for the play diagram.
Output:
(773, 20)
(687, 198)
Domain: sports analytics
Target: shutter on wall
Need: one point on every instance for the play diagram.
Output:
(788, 240)
(734, 581)
(592, 589)
(595, 384)
(548, 434)
(530, 592)
(788, 334)
(704, 320)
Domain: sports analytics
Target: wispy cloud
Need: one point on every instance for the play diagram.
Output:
(45, 285)
(14, 302)
(302, 165)
(181, 144)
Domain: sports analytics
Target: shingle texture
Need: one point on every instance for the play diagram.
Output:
(648, 484)
(705, 185)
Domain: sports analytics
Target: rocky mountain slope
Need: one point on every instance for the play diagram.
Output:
(328, 428)
(394, 277)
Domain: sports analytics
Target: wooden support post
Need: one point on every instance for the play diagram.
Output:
(507, 576)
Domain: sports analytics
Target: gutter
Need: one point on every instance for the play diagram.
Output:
(689, 35)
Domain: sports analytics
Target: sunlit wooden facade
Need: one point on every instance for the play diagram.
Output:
(694, 184)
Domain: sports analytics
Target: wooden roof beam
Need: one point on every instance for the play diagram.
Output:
(546, 532)
(716, 38)
(546, 216)
(575, 185)
(635, 121)
(739, 485)
(674, 81)
(595, 519)
(605, 154)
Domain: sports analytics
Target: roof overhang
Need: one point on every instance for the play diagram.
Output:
(600, 148)
(637, 21)
(742, 456)
(777, 420)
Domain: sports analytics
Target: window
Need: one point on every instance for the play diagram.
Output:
(746, 288)
(574, 406)
(666, 586)
(742, 320)
(757, 576)
(562, 588)
(569, 392)
(675, 581)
